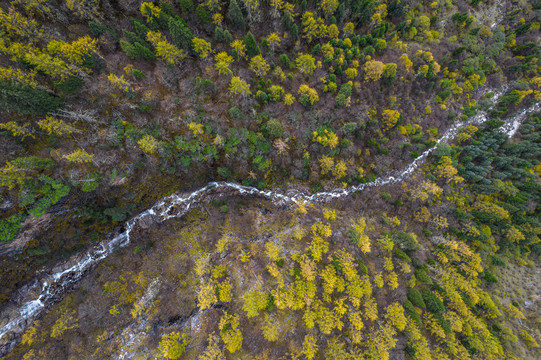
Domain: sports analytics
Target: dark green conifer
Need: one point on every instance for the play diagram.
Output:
(186, 6)
(251, 45)
(235, 15)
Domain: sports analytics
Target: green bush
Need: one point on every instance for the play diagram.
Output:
(99, 29)
(137, 51)
(416, 298)
(236, 113)
(496, 261)
(405, 241)
(33, 163)
(304, 99)
(349, 128)
(273, 128)
(362, 266)
(9, 227)
(119, 213)
(44, 194)
(489, 277)
(219, 34)
(224, 172)
(138, 74)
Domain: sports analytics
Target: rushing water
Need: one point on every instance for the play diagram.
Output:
(54, 285)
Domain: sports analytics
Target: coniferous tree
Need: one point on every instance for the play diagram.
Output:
(140, 28)
(202, 14)
(219, 34)
(143, 52)
(251, 45)
(181, 34)
(294, 32)
(186, 6)
(235, 15)
(228, 38)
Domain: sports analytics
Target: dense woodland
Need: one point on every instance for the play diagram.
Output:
(107, 106)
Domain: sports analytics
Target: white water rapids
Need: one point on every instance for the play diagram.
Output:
(54, 285)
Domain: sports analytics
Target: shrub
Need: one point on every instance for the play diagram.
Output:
(273, 128)
(304, 99)
(224, 172)
(236, 113)
(406, 241)
(489, 277)
(349, 128)
(119, 213)
(496, 261)
(9, 227)
(362, 267)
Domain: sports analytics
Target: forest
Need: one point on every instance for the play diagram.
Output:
(247, 179)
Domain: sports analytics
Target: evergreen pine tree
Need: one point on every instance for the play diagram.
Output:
(143, 52)
(186, 6)
(287, 20)
(219, 34)
(235, 15)
(228, 38)
(294, 32)
(181, 34)
(140, 28)
(202, 14)
(133, 37)
(251, 45)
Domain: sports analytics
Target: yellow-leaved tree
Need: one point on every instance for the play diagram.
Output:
(54, 126)
(202, 47)
(239, 47)
(77, 52)
(373, 70)
(230, 332)
(164, 50)
(223, 60)
(78, 156)
(239, 86)
(148, 144)
(259, 65)
(173, 345)
(306, 64)
(389, 118)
